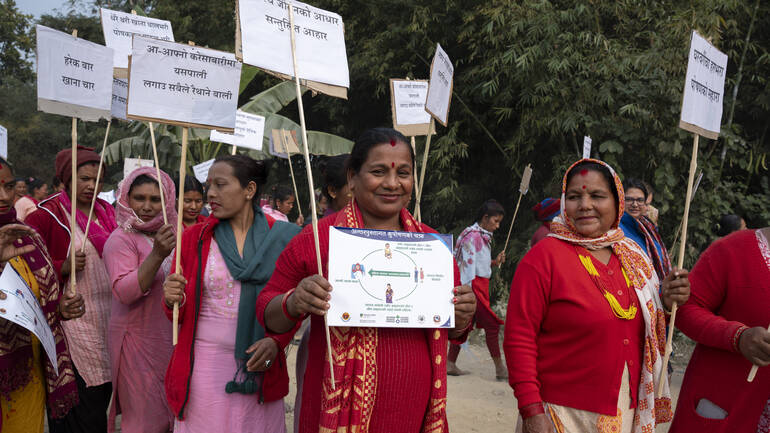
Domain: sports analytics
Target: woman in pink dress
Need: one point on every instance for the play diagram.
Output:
(138, 259)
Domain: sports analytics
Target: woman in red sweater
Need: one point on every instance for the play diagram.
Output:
(585, 329)
(225, 374)
(728, 316)
(396, 383)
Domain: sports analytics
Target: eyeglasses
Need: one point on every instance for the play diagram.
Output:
(638, 201)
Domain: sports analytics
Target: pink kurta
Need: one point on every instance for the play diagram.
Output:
(139, 337)
(210, 409)
(87, 335)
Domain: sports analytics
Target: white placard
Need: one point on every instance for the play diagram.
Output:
(249, 131)
(3, 142)
(390, 279)
(202, 170)
(320, 40)
(119, 27)
(525, 179)
(119, 98)
(21, 307)
(131, 164)
(183, 84)
(703, 89)
(74, 76)
(586, 147)
(409, 99)
(108, 196)
(440, 89)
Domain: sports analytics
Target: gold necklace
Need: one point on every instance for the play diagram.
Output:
(617, 309)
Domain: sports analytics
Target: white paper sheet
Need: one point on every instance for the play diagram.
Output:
(249, 131)
(74, 76)
(704, 85)
(131, 164)
(586, 147)
(119, 98)
(390, 279)
(22, 308)
(202, 170)
(108, 196)
(409, 100)
(183, 83)
(440, 90)
(119, 27)
(320, 40)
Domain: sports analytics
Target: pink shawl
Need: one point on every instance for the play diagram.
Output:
(127, 218)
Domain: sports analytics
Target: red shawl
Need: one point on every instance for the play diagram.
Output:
(348, 407)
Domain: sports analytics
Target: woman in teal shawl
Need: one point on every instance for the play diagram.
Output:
(225, 374)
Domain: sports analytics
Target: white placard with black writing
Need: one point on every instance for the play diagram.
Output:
(3, 142)
(409, 102)
(586, 147)
(183, 84)
(21, 307)
(74, 76)
(249, 131)
(202, 170)
(440, 90)
(320, 40)
(119, 98)
(704, 88)
(119, 27)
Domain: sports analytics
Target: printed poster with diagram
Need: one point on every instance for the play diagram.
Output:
(390, 279)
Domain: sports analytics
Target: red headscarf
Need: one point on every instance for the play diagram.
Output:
(63, 162)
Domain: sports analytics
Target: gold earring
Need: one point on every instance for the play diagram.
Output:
(350, 195)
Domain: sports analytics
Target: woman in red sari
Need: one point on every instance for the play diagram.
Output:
(391, 366)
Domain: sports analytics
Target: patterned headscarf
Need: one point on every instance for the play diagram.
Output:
(653, 407)
(127, 218)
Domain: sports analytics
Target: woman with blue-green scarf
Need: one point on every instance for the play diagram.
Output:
(225, 374)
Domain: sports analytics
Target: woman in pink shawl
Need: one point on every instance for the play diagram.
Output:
(138, 258)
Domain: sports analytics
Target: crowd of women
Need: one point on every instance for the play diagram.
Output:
(584, 331)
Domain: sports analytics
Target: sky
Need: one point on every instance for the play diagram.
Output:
(39, 7)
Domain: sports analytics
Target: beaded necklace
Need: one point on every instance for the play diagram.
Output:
(617, 309)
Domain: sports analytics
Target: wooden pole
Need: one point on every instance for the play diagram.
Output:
(160, 179)
(73, 197)
(234, 149)
(680, 258)
(754, 368)
(291, 171)
(98, 178)
(180, 210)
(424, 165)
(416, 180)
(510, 229)
(309, 180)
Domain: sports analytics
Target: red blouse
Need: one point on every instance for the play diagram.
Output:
(730, 286)
(403, 360)
(563, 344)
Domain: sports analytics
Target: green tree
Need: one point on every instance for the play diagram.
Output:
(15, 42)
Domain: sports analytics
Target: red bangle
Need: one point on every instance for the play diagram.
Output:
(737, 338)
(286, 310)
(531, 410)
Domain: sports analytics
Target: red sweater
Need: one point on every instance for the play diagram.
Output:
(730, 287)
(196, 244)
(403, 363)
(563, 344)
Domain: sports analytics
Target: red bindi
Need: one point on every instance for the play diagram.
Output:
(583, 172)
(392, 165)
(584, 187)
(392, 142)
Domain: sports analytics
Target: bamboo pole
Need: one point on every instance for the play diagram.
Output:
(234, 149)
(523, 189)
(313, 213)
(73, 198)
(680, 258)
(416, 180)
(98, 178)
(431, 128)
(179, 228)
(160, 179)
(291, 172)
(510, 229)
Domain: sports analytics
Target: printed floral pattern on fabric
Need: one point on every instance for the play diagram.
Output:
(764, 420)
(473, 253)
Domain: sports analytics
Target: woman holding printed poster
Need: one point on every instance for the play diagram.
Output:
(394, 365)
(226, 374)
(585, 331)
(27, 380)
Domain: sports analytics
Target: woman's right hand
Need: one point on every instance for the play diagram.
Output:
(80, 263)
(755, 346)
(538, 424)
(173, 289)
(311, 296)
